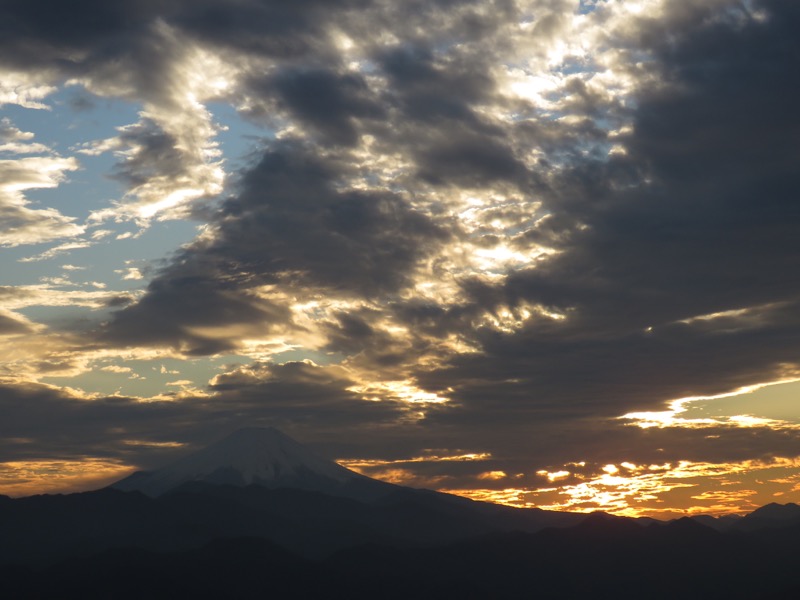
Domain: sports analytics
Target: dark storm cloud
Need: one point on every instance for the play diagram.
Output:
(436, 99)
(700, 217)
(327, 102)
(266, 28)
(38, 33)
(106, 41)
(303, 395)
(291, 221)
(192, 294)
(130, 48)
(289, 225)
(468, 159)
(429, 90)
(557, 373)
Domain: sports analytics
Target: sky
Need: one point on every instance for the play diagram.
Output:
(538, 252)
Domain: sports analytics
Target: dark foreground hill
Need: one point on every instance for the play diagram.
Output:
(41, 530)
(599, 558)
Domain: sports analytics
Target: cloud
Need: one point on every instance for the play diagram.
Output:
(580, 281)
(17, 141)
(327, 102)
(21, 224)
(14, 324)
(696, 218)
(24, 89)
(298, 397)
(289, 229)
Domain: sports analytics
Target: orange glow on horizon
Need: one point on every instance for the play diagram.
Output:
(659, 491)
(28, 478)
(668, 490)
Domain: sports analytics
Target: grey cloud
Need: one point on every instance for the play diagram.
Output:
(300, 395)
(288, 225)
(268, 28)
(292, 221)
(11, 325)
(699, 218)
(183, 301)
(328, 101)
(436, 99)
(468, 159)
(429, 90)
(154, 152)
(39, 422)
(81, 103)
(38, 33)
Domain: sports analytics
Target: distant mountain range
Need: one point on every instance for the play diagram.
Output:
(259, 515)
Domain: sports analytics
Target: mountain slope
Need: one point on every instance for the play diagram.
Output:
(257, 456)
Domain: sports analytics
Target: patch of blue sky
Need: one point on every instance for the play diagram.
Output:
(106, 260)
(63, 319)
(64, 129)
(575, 65)
(100, 255)
(238, 137)
(76, 119)
(588, 6)
(75, 116)
(145, 251)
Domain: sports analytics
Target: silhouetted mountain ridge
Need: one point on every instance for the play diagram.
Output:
(206, 539)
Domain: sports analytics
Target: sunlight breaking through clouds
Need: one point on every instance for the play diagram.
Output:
(662, 491)
(490, 225)
(21, 478)
(682, 406)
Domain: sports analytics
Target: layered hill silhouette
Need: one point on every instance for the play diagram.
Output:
(259, 515)
(255, 483)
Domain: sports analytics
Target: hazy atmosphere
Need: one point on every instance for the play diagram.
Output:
(539, 252)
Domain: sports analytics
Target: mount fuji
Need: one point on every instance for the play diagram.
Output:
(262, 457)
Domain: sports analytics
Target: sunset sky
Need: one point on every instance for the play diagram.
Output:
(541, 252)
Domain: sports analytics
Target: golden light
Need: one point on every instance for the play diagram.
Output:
(658, 490)
(678, 412)
(25, 478)
(493, 475)
(402, 390)
(555, 476)
(360, 463)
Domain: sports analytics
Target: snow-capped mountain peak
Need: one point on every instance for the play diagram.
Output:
(261, 456)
